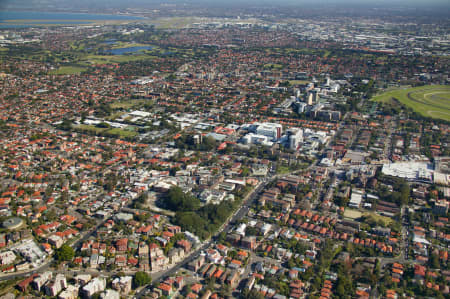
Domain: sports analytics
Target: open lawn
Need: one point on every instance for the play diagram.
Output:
(68, 70)
(355, 214)
(121, 133)
(113, 132)
(352, 214)
(282, 169)
(120, 44)
(299, 82)
(430, 101)
(128, 104)
(105, 59)
(387, 221)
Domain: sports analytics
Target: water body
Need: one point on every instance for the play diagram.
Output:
(121, 51)
(110, 42)
(29, 18)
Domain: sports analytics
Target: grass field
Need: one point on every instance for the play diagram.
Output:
(387, 221)
(352, 214)
(295, 82)
(105, 59)
(68, 70)
(121, 133)
(116, 132)
(355, 214)
(282, 169)
(128, 104)
(120, 44)
(431, 101)
(91, 128)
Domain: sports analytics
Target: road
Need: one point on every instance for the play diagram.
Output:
(157, 277)
(41, 268)
(47, 263)
(226, 227)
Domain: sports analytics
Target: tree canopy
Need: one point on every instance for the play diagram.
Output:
(177, 200)
(141, 279)
(65, 253)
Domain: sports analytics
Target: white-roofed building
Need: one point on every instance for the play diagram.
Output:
(96, 285)
(356, 199)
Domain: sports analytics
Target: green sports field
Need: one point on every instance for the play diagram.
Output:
(431, 101)
(68, 70)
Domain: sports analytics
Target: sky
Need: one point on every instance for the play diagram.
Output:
(59, 4)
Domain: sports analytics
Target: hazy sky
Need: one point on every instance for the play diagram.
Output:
(82, 4)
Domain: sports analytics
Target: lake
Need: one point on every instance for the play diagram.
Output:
(121, 51)
(29, 18)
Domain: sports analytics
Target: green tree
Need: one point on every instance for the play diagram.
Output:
(253, 294)
(434, 261)
(180, 201)
(65, 253)
(141, 279)
(245, 171)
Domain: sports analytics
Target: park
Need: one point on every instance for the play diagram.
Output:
(430, 101)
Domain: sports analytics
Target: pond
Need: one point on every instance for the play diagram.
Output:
(121, 51)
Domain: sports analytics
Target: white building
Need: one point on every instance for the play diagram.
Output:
(110, 294)
(31, 252)
(241, 229)
(70, 293)
(7, 258)
(122, 284)
(271, 130)
(319, 136)
(252, 138)
(57, 285)
(410, 170)
(302, 107)
(214, 196)
(39, 281)
(295, 137)
(96, 285)
(356, 198)
(83, 278)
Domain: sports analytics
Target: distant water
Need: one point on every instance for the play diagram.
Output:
(121, 51)
(110, 42)
(29, 18)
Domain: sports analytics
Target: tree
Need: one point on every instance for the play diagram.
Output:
(344, 286)
(141, 279)
(209, 143)
(180, 201)
(434, 261)
(65, 125)
(253, 294)
(65, 253)
(245, 171)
